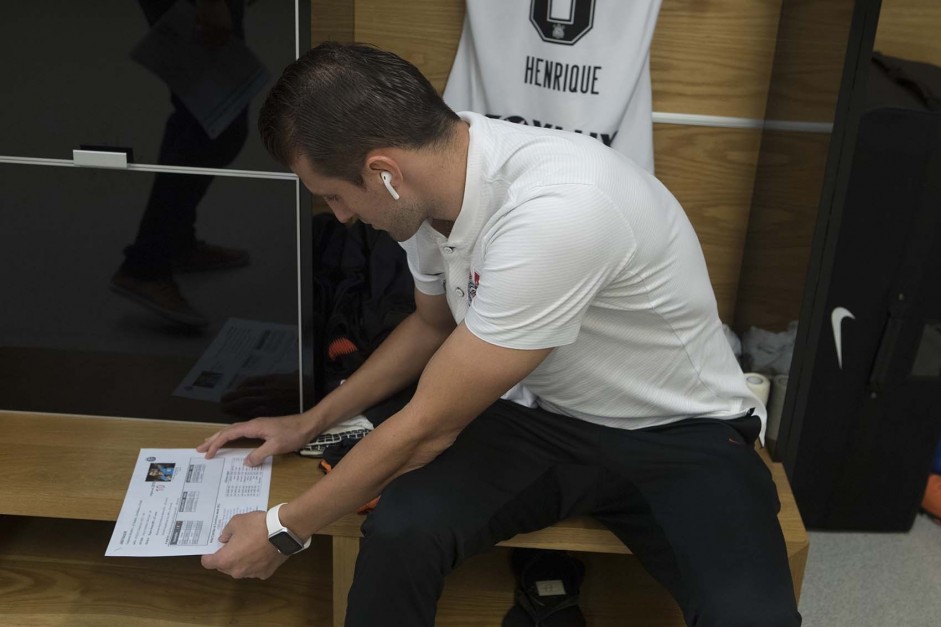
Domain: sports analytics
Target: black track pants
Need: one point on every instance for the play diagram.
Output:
(692, 500)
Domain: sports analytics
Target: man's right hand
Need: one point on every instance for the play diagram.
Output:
(398, 362)
(284, 434)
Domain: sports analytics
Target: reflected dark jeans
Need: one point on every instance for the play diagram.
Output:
(167, 227)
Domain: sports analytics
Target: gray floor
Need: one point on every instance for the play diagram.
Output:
(874, 580)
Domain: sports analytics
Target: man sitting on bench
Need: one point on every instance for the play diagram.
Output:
(553, 273)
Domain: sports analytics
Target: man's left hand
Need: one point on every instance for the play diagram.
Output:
(246, 552)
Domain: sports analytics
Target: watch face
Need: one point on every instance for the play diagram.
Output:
(285, 543)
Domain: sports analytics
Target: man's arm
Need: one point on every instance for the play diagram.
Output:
(398, 361)
(464, 377)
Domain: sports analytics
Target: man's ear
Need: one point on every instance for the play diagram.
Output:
(377, 163)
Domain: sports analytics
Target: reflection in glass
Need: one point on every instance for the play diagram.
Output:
(78, 84)
(69, 344)
(928, 358)
(187, 46)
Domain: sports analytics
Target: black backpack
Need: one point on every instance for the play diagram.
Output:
(362, 290)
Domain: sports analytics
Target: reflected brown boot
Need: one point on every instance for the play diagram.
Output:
(161, 296)
(205, 257)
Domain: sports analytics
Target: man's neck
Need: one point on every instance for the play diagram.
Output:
(450, 179)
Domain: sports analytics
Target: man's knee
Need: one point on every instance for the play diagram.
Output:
(401, 524)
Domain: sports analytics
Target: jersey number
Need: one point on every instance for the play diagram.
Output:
(562, 21)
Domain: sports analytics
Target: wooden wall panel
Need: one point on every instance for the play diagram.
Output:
(784, 212)
(910, 29)
(805, 84)
(425, 32)
(331, 20)
(710, 171)
(808, 64)
(714, 57)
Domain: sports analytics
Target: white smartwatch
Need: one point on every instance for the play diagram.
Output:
(283, 539)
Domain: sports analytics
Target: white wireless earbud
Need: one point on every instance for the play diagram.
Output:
(387, 181)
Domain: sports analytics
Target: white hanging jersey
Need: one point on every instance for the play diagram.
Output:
(576, 65)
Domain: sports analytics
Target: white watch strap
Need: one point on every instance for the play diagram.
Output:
(273, 520)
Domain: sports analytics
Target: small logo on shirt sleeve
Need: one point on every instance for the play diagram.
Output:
(473, 280)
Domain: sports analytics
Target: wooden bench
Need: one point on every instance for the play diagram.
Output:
(78, 467)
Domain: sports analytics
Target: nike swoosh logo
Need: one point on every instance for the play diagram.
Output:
(836, 319)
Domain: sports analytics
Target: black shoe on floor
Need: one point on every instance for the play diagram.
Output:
(161, 296)
(547, 587)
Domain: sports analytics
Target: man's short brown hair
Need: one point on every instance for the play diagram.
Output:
(338, 102)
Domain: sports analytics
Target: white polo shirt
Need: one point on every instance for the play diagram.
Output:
(562, 242)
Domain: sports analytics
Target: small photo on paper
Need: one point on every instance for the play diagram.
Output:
(161, 472)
